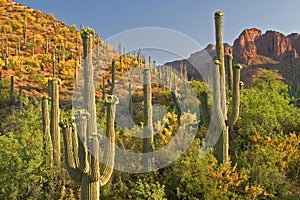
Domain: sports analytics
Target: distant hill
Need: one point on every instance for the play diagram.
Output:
(32, 42)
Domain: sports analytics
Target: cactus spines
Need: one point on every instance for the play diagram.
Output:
(54, 122)
(148, 143)
(48, 148)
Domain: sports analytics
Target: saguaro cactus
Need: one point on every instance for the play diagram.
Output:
(48, 148)
(25, 30)
(229, 71)
(12, 91)
(54, 122)
(82, 165)
(220, 56)
(148, 143)
(220, 121)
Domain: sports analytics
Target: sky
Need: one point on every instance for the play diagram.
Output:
(193, 18)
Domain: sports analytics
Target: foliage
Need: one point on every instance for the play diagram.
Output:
(146, 188)
(266, 109)
(22, 173)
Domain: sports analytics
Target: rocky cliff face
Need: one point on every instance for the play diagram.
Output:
(244, 48)
(272, 44)
(254, 50)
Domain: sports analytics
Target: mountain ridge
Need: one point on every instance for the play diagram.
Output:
(255, 51)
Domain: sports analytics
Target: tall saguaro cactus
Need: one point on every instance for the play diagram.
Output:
(221, 121)
(82, 164)
(46, 131)
(220, 56)
(54, 122)
(148, 144)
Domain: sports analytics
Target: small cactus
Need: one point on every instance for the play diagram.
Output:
(12, 92)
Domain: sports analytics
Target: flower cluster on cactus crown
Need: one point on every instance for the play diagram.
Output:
(219, 13)
(86, 32)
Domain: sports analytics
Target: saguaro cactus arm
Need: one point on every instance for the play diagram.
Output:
(229, 71)
(235, 103)
(70, 150)
(48, 148)
(109, 151)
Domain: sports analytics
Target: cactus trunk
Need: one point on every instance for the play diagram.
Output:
(48, 148)
(12, 91)
(89, 187)
(219, 115)
(148, 144)
(54, 123)
(229, 72)
(82, 164)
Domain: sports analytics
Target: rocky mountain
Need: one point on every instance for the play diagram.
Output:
(252, 43)
(254, 50)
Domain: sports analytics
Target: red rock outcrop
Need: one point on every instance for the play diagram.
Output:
(273, 44)
(244, 48)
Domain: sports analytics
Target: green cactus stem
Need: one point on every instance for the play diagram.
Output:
(33, 44)
(229, 71)
(12, 92)
(103, 88)
(54, 122)
(109, 151)
(0, 79)
(235, 108)
(48, 148)
(54, 62)
(148, 143)
(82, 165)
(112, 77)
(25, 30)
(220, 56)
(218, 122)
(204, 108)
(89, 186)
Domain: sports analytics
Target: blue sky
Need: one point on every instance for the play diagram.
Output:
(191, 17)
